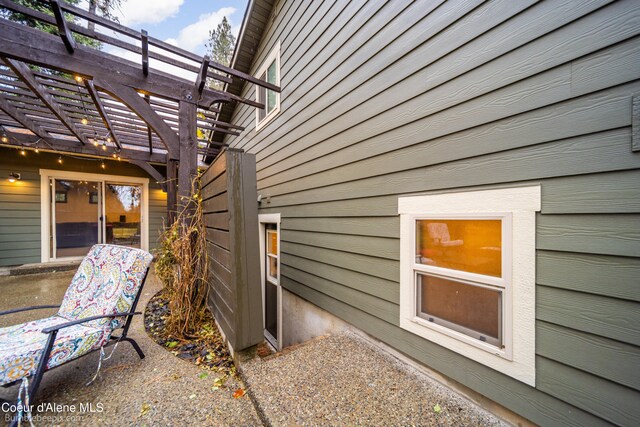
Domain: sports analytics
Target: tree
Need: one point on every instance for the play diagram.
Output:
(106, 8)
(220, 46)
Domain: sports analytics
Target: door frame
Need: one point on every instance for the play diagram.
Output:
(45, 217)
(264, 219)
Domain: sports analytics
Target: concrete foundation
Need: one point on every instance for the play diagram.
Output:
(302, 320)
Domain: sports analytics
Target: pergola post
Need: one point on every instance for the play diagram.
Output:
(172, 190)
(188, 167)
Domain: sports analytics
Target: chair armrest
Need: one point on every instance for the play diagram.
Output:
(35, 307)
(86, 319)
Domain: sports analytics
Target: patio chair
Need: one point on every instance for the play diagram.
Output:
(102, 297)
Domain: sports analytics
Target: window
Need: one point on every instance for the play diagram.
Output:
(269, 72)
(468, 274)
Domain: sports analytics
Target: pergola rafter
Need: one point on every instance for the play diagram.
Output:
(66, 96)
(24, 73)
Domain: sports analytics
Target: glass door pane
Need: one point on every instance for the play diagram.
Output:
(123, 207)
(76, 213)
(271, 284)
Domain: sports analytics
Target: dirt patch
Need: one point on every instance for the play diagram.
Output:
(205, 348)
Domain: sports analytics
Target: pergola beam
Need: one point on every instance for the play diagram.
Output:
(95, 97)
(63, 146)
(34, 46)
(137, 104)
(63, 28)
(24, 73)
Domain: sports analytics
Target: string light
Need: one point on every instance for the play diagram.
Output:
(4, 138)
(78, 79)
(22, 151)
(37, 150)
(84, 121)
(60, 159)
(114, 155)
(109, 139)
(102, 165)
(95, 142)
(104, 146)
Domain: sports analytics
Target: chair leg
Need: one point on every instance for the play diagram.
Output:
(135, 346)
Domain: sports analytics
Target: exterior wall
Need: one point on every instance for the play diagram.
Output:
(231, 216)
(20, 230)
(382, 99)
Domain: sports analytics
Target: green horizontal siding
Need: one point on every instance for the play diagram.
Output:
(385, 99)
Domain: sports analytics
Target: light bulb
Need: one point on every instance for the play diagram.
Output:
(37, 150)
(60, 159)
(5, 138)
(23, 152)
(114, 155)
(108, 139)
(95, 142)
(84, 121)
(104, 146)
(102, 165)
(78, 79)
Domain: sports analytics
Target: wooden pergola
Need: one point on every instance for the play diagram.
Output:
(61, 96)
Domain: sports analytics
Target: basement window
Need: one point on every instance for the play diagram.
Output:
(269, 72)
(468, 274)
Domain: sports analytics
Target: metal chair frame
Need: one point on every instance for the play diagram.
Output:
(52, 332)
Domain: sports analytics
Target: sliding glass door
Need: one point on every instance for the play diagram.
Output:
(80, 210)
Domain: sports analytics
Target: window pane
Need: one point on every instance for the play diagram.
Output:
(123, 204)
(76, 212)
(271, 100)
(271, 95)
(473, 245)
(273, 267)
(272, 243)
(272, 74)
(472, 310)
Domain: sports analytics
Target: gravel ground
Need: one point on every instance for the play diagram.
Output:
(156, 391)
(344, 380)
(334, 380)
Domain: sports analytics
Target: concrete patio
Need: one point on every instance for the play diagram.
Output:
(334, 380)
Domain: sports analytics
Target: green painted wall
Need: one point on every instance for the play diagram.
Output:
(20, 201)
(382, 99)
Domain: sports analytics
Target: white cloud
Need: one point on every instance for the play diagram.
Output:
(136, 12)
(193, 36)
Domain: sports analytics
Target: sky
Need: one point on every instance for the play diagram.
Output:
(184, 23)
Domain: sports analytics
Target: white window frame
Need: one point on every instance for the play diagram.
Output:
(274, 55)
(263, 220)
(45, 217)
(516, 207)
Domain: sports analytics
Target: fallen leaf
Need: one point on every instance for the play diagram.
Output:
(215, 388)
(172, 344)
(203, 376)
(437, 409)
(145, 409)
(238, 393)
(193, 396)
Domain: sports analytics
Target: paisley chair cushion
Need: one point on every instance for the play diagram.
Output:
(106, 282)
(21, 346)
